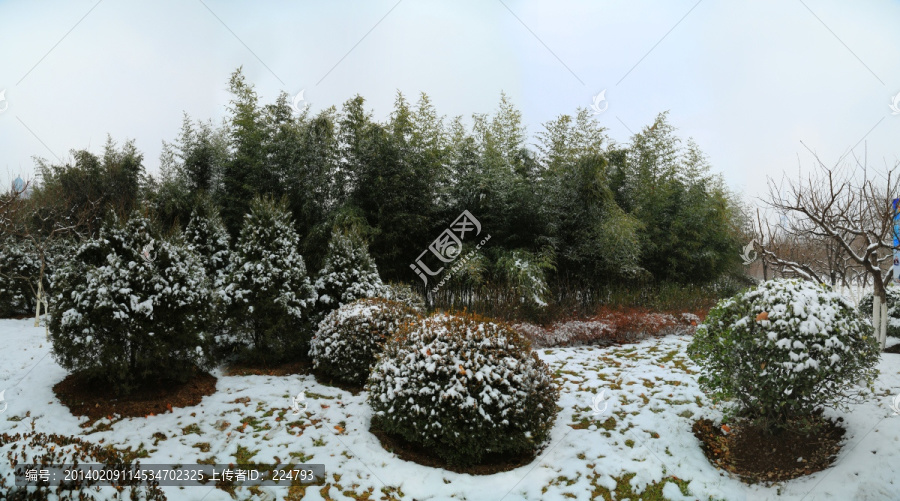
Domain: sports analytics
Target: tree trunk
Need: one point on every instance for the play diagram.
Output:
(879, 316)
(39, 300)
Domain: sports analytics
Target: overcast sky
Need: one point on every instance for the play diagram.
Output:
(747, 80)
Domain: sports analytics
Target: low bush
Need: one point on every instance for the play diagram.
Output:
(131, 308)
(405, 294)
(351, 337)
(56, 450)
(783, 350)
(619, 326)
(463, 387)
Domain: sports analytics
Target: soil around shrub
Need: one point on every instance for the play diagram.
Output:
(754, 455)
(84, 397)
(282, 369)
(408, 451)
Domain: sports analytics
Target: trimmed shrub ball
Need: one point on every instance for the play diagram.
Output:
(782, 351)
(893, 309)
(463, 387)
(351, 337)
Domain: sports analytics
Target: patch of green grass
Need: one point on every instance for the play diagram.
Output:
(624, 490)
(300, 456)
(244, 455)
(318, 395)
(609, 424)
(192, 428)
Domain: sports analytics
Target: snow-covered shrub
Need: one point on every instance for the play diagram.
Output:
(349, 272)
(352, 336)
(206, 235)
(18, 267)
(783, 350)
(893, 309)
(269, 293)
(130, 308)
(405, 294)
(464, 388)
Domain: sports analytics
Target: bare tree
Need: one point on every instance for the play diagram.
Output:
(848, 211)
(43, 226)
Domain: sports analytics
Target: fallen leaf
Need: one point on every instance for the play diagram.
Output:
(762, 316)
(339, 428)
(169, 406)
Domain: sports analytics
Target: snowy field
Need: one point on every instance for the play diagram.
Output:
(645, 429)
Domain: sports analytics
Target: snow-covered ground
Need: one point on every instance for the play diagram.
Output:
(644, 428)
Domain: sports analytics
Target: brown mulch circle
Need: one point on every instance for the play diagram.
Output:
(283, 369)
(757, 456)
(407, 451)
(86, 398)
(893, 349)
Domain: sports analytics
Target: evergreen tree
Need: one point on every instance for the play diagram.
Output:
(132, 309)
(245, 174)
(206, 235)
(349, 273)
(269, 292)
(18, 267)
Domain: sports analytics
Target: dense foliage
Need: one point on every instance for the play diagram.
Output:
(18, 267)
(893, 309)
(783, 350)
(131, 308)
(269, 293)
(349, 272)
(350, 338)
(578, 209)
(205, 234)
(464, 388)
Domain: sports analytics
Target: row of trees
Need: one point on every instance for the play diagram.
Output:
(835, 225)
(134, 306)
(592, 210)
(574, 207)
